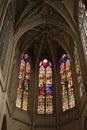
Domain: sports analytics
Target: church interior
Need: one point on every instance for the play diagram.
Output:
(43, 64)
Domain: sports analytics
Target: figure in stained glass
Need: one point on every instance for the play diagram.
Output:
(24, 83)
(45, 97)
(68, 99)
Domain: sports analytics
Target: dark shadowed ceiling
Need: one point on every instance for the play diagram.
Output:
(50, 12)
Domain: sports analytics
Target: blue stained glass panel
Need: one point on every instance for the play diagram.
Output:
(45, 97)
(24, 83)
(68, 98)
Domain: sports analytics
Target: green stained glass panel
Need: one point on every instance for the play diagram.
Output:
(24, 83)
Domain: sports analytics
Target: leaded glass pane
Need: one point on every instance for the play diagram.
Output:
(68, 99)
(45, 105)
(19, 98)
(82, 19)
(78, 72)
(24, 83)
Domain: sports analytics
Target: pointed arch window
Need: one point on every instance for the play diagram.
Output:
(68, 98)
(24, 83)
(45, 91)
(78, 72)
(82, 22)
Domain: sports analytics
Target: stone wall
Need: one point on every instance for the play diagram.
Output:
(5, 35)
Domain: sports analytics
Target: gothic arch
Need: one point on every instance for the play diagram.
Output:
(54, 21)
(62, 20)
(60, 8)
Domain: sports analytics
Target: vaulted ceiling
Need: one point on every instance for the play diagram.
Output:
(52, 19)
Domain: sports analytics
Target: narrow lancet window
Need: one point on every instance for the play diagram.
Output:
(78, 72)
(45, 96)
(24, 83)
(68, 98)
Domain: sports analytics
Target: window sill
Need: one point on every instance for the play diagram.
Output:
(21, 116)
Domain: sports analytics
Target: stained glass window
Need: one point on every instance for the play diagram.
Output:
(78, 72)
(24, 83)
(45, 93)
(82, 19)
(68, 98)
